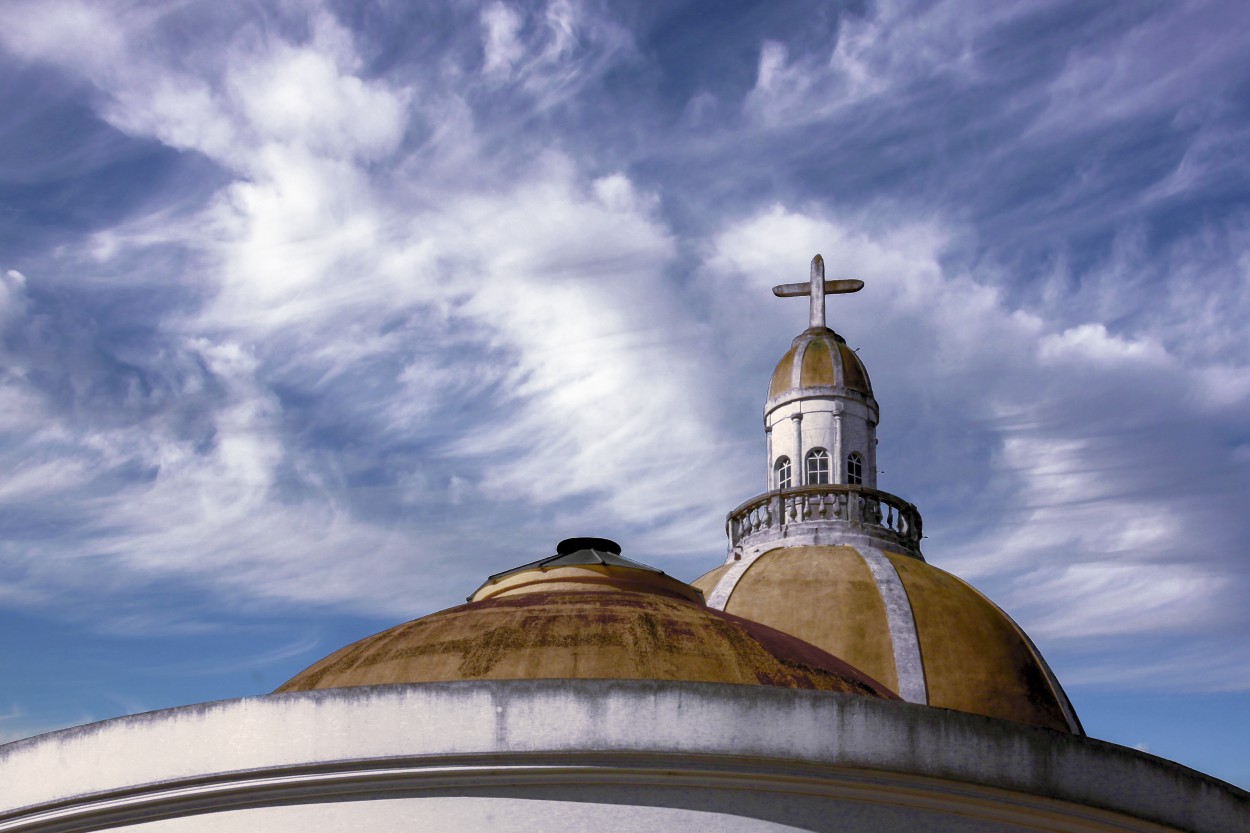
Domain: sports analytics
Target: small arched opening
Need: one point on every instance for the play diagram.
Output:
(854, 469)
(817, 464)
(781, 472)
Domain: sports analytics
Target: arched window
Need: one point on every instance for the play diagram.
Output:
(782, 470)
(854, 469)
(817, 466)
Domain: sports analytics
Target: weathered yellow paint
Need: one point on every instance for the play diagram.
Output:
(827, 362)
(854, 376)
(818, 369)
(975, 659)
(707, 581)
(584, 635)
(823, 595)
(587, 578)
(783, 375)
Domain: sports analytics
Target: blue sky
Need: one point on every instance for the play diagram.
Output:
(314, 314)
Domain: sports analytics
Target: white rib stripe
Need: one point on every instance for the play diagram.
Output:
(902, 625)
(796, 372)
(719, 597)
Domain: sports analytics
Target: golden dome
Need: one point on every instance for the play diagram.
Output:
(818, 363)
(919, 630)
(604, 618)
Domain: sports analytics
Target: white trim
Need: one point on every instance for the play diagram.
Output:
(908, 663)
(719, 597)
(796, 371)
(773, 748)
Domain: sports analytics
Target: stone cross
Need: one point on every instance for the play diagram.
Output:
(817, 287)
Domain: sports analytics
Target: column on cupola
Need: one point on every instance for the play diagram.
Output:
(839, 456)
(785, 430)
(819, 435)
(841, 424)
(769, 485)
(856, 417)
(796, 456)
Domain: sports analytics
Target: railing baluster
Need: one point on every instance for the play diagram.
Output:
(768, 514)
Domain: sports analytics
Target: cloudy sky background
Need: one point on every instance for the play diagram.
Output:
(312, 315)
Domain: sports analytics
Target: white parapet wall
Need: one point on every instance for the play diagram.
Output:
(591, 755)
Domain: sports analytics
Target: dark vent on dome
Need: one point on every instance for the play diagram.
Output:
(574, 551)
(571, 545)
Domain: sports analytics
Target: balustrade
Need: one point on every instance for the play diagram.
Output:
(877, 512)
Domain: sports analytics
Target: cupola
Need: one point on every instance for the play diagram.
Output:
(825, 556)
(820, 417)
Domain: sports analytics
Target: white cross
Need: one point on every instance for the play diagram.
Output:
(817, 287)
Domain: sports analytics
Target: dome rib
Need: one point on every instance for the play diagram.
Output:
(1061, 696)
(965, 652)
(818, 363)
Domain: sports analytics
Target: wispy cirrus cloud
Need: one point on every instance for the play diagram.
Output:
(422, 286)
(308, 350)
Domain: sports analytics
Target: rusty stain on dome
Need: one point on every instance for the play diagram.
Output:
(585, 635)
(586, 616)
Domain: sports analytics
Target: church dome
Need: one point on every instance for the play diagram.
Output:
(818, 363)
(921, 631)
(586, 613)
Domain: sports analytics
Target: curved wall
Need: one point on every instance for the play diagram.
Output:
(591, 754)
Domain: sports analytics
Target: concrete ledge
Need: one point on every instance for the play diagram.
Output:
(633, 742)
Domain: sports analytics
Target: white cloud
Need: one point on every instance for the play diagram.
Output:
(552, 52)
(1153, 663)
(12, 297)
(501, 24)
(559, 330)
(302, 97)
(1091, 343)
(1140, 73)
(1088, 601)
(872, 56)
(604, 396)
(69, 31)
(231, 104)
